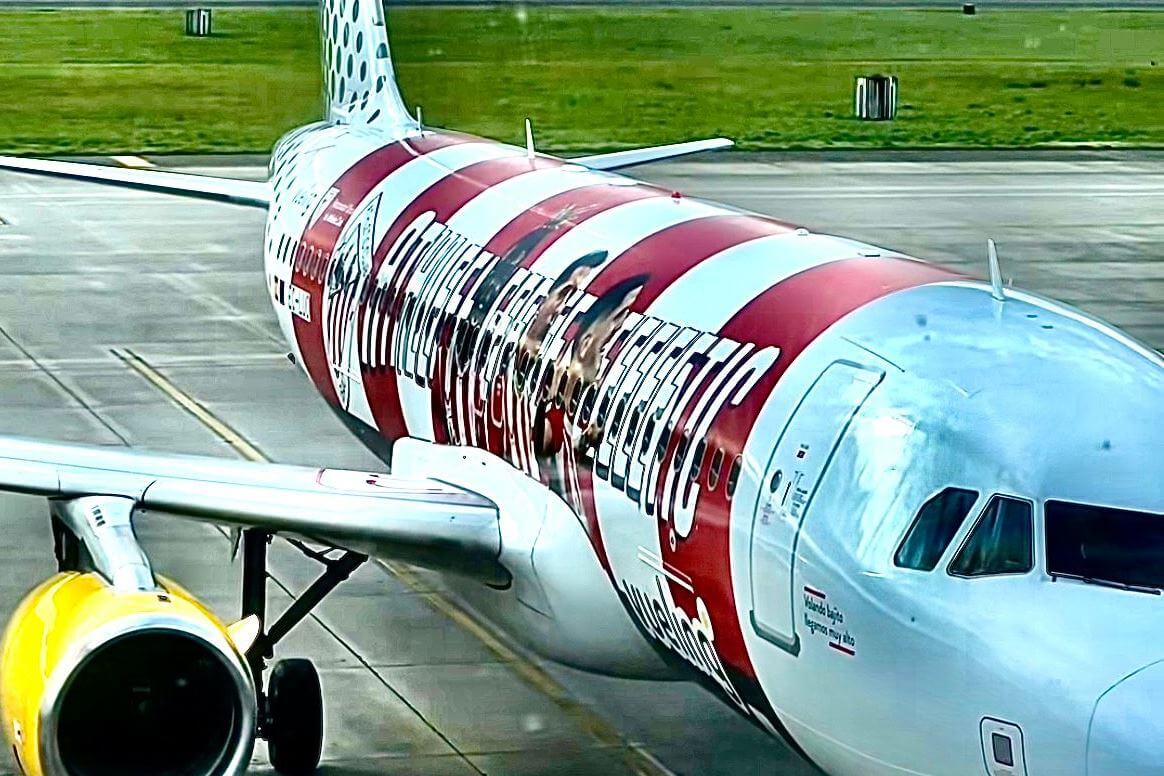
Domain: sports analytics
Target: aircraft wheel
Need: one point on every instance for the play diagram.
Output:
(295, 714)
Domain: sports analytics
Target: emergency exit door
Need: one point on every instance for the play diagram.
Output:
(790, 480)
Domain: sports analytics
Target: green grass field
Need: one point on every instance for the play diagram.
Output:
(129, 81)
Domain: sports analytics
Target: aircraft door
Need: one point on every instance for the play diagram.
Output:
(795, 469)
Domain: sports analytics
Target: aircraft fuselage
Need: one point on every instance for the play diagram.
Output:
(743, 417)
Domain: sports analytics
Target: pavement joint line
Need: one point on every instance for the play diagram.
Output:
(185, 282)
(380, 678)
(131, 160)
(190, 404)
(68, 391)
(635, 757)
(252, 453)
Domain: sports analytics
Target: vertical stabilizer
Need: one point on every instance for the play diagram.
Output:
(357, 66)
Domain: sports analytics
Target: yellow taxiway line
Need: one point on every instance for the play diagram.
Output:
(635, 757)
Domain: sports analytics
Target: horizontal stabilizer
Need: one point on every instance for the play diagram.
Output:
(620, 159)
(250, 193)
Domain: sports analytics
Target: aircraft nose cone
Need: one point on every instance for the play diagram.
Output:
(1127, 727)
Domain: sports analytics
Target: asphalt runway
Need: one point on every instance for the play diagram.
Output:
(95, 278)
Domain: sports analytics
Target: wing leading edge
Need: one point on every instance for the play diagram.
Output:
(258, 193)
(238, 192)
(418, 520)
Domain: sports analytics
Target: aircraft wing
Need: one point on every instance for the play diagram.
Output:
(249, 193)
(620, 159)
(419, 520)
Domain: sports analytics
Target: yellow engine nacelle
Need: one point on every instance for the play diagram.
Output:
(98, 681)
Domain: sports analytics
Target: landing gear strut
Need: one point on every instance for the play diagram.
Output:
(291, 708)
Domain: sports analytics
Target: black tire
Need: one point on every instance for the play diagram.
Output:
(295, 717)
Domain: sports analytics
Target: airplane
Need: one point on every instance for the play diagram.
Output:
(904, 519)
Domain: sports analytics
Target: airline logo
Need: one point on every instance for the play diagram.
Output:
(690, 637)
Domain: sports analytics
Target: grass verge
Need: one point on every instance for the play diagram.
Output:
(129, 81)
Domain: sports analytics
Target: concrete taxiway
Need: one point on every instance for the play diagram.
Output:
(131, 318)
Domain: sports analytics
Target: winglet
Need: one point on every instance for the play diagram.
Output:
(619, 159)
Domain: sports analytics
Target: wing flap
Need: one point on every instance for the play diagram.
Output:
(417, 519)
(249, 193)
(620, 159)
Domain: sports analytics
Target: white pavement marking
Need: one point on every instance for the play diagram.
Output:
(133, 161)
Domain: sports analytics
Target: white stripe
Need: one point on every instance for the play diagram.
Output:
(710, 293)
(486, 214)
(417, 406)
(412, 178)
(399, 189)
(619, 228)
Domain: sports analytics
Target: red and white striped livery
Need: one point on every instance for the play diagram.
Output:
(909, 521)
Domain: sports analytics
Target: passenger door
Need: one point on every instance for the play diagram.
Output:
(795, 469)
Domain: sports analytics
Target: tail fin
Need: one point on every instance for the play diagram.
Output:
(357, 66)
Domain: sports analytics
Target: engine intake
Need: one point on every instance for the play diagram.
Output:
(100, 682)
(167, 698)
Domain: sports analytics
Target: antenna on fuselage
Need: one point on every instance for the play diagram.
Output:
(995, 272)
(529, 141)
(420, 119)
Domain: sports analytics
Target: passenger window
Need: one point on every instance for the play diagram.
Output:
(648, 433)
(1000, 543)
(619, 411)
(588, 400)
(575, 395)
(604, 407)
(632, 426)
(934, 528)
(664, 440)
(713, 470)
(681, 450)
(697, 461)
(734, 475)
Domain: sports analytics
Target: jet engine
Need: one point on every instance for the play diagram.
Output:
(101, 681)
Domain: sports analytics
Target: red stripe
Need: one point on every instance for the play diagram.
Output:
(444, 198)
(353, 186)
(664, 257)
(840, 648)
(789, 315)
(667, 255)
(587, 202)
(816, 593)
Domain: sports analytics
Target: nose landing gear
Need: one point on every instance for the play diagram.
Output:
(291, 708)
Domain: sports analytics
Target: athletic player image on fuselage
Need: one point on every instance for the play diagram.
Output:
(647, 436)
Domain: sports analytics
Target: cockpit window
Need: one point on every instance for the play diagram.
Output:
(933, 528)
(1101, 544)
(1001, 541)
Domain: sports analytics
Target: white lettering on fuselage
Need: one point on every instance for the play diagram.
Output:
(650, 382)
(554, 378)
(299, 302)
(692, 638)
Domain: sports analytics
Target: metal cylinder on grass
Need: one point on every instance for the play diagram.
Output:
(876, 97)
(198, 22)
